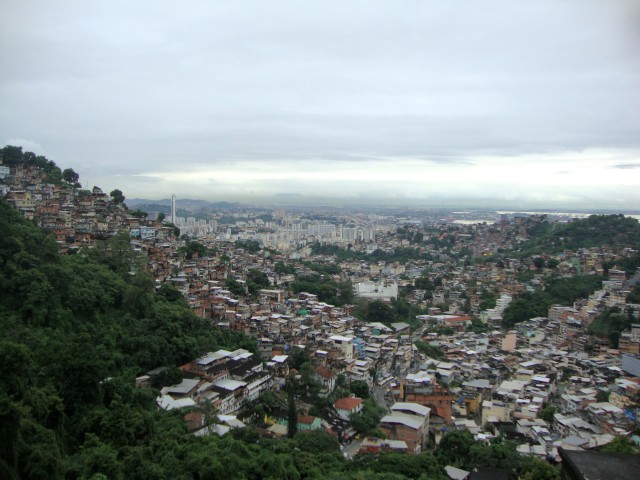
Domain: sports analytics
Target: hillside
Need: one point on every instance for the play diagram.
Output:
(615, 231)
(77, 329)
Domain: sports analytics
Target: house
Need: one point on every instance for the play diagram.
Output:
(495, 411)
(279, 365)
(308, 422)
(377, 445)
(222, 425)
(343, 344)
(185, 389)
(167, 402)
(408, 422)
(348, 406)
(457, 323)
(305, 422)
(456, 473)
(326, 378)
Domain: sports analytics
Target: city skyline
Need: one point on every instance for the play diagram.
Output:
(531, 105)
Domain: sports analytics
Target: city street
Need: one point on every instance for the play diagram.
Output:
(351, 449)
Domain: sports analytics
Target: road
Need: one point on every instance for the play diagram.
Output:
(635, 279)
(351, 449)
(379, 393)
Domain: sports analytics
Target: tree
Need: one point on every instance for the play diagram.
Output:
(557, 290)
(547, 413)
(431, 351)
(161, 217)
(16, 369)
(309, 386)
(454, 448)
(553, 263)
(117, 196)
(603, 396)
(388, 465)
(634, 296)
(292, 415)
(360, 389)
(98, 460)
(120, 256)
(317, 441)
(139, 213)
(249, 245)
(193, 249)
(12, 155)
(234, 286)
(298, 356)
(610, 323)
(423, 283)
(170, 293)
(69, 176)
(535, 469)
(54, 174)
(282, 268)
(345, 293)
(366, 420)
(210, 413)
(378, 311)
(257, 280)
(621, 444)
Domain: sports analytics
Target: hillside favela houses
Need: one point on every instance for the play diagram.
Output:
(388, 332)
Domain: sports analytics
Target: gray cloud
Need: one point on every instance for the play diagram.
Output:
(131, 88)
(626, 166)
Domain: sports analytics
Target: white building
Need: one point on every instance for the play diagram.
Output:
(377, 291)
(344, 344)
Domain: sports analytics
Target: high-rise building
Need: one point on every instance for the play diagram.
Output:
(173, 209)
(349, 233)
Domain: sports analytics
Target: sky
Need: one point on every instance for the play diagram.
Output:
(503, 104)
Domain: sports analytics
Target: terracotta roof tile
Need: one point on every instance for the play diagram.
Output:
(347, 403)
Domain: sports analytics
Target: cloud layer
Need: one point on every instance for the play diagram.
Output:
(532, 102)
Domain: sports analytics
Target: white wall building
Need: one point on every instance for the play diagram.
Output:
(377, 291)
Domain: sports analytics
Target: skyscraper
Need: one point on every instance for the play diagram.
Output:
(173, 209)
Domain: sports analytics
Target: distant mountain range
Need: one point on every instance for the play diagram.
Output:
(186, 203)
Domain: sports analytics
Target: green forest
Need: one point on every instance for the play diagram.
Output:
(399, 254)
(557, 290)
(593, 231)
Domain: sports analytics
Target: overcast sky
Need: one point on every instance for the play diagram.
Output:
(511, 104)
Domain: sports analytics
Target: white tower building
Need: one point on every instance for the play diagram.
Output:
(173, 209)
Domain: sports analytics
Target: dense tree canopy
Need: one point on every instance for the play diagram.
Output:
(70, 176)
(459, 449)
(193, 249)
(117, 196)
(561, 291)
(328, 290)
(366, 420)
(610, 324)
(399, 254)
(594, 231)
